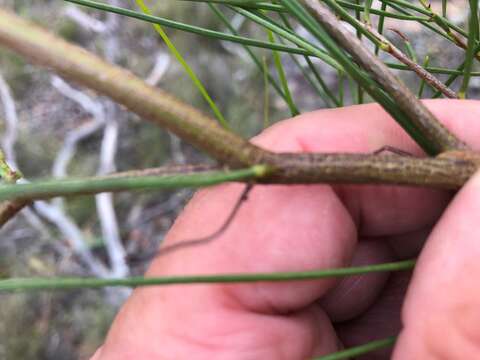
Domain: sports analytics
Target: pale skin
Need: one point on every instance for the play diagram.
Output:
(289, 228)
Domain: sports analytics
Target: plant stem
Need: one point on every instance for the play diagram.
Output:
(33, 284)
(69, 187)
(9, 209)
(381, 23)
(359, 36)
(444, 171)
(282, 77)
(255, 4)
(422, 82)
(419, 70)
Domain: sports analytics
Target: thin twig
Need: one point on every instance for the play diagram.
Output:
(8, 209)
(418, 69)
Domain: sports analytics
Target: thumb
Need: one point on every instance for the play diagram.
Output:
(441, 314)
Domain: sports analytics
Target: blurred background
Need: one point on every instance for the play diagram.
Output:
(49, 127)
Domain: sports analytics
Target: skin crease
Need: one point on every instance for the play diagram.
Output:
(287, 228)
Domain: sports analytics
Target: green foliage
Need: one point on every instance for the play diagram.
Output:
(39, 284)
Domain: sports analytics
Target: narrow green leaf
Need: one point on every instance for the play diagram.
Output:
(359, 90)
(254, 4)
(436, 70)
(382, 12)
(69, 187)
(381, 24)
(422, 82)
(266, 96)
(283, 79)
(366, 14)
(185, 65)
(410, 51)
(341, 87)
(323, 85)
(36, 284)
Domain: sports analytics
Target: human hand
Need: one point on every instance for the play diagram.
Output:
(294, 228)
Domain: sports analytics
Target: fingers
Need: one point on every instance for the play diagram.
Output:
(441, 314)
